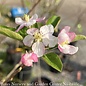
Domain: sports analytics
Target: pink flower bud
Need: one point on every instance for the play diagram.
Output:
(28, 58)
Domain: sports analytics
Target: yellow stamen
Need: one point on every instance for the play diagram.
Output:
(38, 37)
(26, 18)
(65, 42)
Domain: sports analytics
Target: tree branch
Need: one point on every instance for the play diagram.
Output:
(15, 70)
(34, 6)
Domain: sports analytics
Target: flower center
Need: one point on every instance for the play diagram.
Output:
(38, 36)
(26, 18)
(65, 43)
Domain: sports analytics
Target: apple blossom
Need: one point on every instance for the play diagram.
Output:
(64, 38)
(28, 59)
(27, 21)
(43, 37)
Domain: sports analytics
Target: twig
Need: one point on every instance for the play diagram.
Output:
(34, 6)
(15, 70)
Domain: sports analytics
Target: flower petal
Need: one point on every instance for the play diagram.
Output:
(71, 36)
(38, 48)
(32, 31)
(21, 26)
(28, 62)
(30, 22)
(28, 40)
(34, 57)
(18, 21)
(25, 59)
(62, 37)
(65, 35)
(65, 29)
(50, 40)
(45, 41)
(68, 49)
(47, 29)
(34, 17)
(40, 19)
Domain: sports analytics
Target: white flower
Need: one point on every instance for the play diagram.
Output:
(42, 38)
(26, 21)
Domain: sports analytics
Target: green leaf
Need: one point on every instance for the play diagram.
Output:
(79, 37)
(10, 28)
(9, 33)
(54, 20)
(53, 60)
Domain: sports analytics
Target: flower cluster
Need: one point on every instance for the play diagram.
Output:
(38, 39)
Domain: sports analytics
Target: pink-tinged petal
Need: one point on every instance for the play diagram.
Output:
(71, 35)
(66, 29)
(40, 19)
(34, 57)
(30, 22)
(68, 49)
(62, 37)
(49, 40)
(25, 59)
(18, 21)
(65, 35)
(20, 27)
(38, 48)
(32, 31)
(28, 40)
(34, 17)
(28, 62)
(47, 29)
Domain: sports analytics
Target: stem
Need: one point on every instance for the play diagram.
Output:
(15, 70)
(34, 6)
